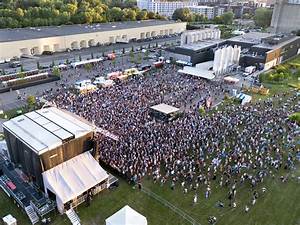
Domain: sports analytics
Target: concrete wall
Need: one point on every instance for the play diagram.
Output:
(286, 17)
(78, 41)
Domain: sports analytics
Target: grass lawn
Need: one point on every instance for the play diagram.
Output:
(12, 113)
(279, 205)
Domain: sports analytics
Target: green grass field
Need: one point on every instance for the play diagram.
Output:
(278, 206)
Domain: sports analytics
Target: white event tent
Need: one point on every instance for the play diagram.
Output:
(126, 216)
(72, 178)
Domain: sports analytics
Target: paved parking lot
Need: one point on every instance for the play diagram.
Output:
(14, 99)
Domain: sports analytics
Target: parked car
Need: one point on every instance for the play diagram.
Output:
(47, 53)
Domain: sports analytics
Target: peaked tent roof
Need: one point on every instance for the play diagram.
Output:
(73, 177)
(126, 216)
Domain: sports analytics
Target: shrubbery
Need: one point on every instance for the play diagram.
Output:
(280, 73)
(295, 117)
(201, 110)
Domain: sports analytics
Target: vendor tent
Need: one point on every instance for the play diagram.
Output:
(126, 216)
(244, 98)
(72, 178)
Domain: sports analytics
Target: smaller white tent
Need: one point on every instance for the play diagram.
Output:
(244, 98)
(126, 216)
(72, 178)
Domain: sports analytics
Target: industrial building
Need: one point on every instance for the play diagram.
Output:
(195, 53)
(194, 36)
(263, 50)
(34, 41)
(286, 16)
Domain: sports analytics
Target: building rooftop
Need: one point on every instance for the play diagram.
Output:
(201, 7)
(165, 109)
(201, 44)
(18, 34)
(47, 128)
(251, 37)
(279, 44)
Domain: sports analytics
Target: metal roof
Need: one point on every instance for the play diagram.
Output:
(28, 33)
(251, 37)
(46, 129)
(164, 108)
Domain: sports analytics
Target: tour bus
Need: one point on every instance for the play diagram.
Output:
(85, 86)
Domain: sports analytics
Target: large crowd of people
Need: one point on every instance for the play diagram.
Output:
(235, 145)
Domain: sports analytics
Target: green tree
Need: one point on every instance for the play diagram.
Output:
(142, 15)
(199, 17)
(31, 101)
(56, 71)
(88, 67)
(139, 58)
(263, 17)
(131, 55)
(227, 18)
(114, 62)
(151, 15)
(115, 14)
(129, 14)
(218, 20)
(201, 110)
(21, 75)
(183, 14)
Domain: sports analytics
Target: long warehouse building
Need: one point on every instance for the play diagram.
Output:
(34, 41)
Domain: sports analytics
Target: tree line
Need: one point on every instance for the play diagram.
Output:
(185, 14)
(262, 17)
(32, 13)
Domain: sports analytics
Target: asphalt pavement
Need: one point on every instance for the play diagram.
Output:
(15, 99)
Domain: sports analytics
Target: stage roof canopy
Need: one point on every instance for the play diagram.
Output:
(73, 177)
(47, 128)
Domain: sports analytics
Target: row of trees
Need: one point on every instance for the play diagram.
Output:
(24, 13)
(262, 17)
(185, 14)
